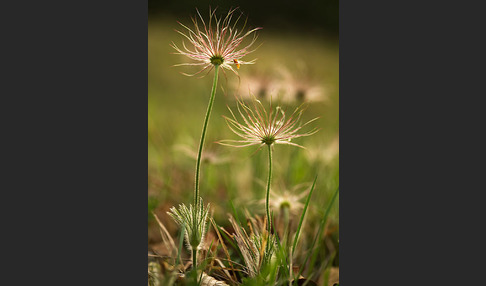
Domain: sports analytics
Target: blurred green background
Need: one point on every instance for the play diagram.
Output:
(299, 56)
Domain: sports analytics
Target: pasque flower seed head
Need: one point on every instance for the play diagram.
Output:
(216, 43)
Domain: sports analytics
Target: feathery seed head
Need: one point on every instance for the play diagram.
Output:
(256, 248)
(261, 83)
(194, 222)
(299, 86)
(217, 42)
(259, 127)
(288, 199)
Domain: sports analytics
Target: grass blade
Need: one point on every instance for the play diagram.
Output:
(296, 238)
(319, 232)
(235, 212)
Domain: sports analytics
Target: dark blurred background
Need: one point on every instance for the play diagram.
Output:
(302, 16)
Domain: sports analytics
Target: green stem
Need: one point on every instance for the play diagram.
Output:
(194, 262)
(198, 164)
(205, 126)
(286, 215)
(268, 188)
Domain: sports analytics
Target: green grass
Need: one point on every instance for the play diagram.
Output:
(176, 108)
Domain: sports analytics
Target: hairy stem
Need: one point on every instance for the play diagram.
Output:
(286, 215)
(205, 126)
(198, 164)
(194, 262)
(269, 220)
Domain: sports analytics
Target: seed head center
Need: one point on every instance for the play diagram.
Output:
(285, 204)
(269, 140)
(217, 60)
